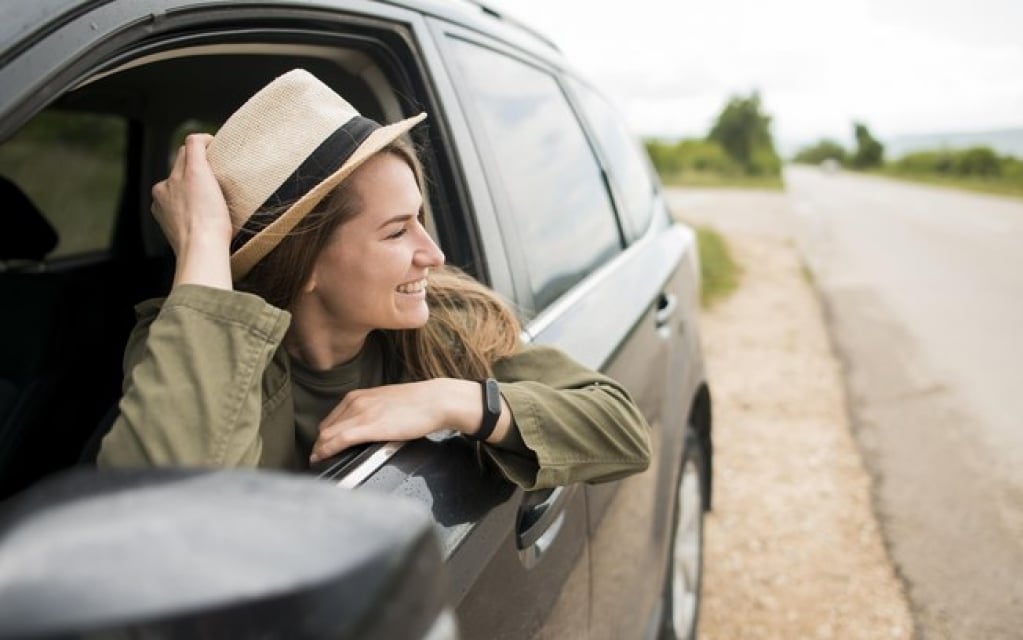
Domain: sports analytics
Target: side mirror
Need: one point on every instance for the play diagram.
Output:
(217, 554)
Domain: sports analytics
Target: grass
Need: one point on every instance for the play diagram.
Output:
(720, 273)
(713, 179)
(808, 275)
(71, 167)
(997, 186)
(77, 192)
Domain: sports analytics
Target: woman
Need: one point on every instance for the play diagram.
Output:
(311, 311)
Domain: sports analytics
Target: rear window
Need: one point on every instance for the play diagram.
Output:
(71, 166)
(554, 187)
(629, 166)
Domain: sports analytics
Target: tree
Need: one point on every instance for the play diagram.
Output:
(744, 132)
(869, 152)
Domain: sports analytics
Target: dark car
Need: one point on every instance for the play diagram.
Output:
(536, 187)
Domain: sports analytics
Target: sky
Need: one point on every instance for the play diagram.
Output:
(901, 67)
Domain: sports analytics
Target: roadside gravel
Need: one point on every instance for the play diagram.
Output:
(792, 547)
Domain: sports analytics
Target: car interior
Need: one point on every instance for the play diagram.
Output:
(79, 248)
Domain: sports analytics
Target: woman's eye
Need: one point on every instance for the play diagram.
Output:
(397, 234)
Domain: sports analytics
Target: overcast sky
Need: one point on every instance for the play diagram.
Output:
(900, 66)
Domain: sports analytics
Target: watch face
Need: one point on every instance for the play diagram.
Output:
(493, 397)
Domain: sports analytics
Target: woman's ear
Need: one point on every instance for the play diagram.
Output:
(310, 284)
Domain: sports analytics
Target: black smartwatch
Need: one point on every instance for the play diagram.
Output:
(491, 409)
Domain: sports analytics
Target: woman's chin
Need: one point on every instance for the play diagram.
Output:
(411, 319)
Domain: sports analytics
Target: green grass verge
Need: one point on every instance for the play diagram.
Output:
(996, 186)
(720, 273)
(709, 179)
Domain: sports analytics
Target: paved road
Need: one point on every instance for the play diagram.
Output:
(924, 290)
(924, 287)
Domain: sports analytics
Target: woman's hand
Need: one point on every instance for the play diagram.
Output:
(405, 412)
(191, 210)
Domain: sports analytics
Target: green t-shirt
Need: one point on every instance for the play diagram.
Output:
(316, 393)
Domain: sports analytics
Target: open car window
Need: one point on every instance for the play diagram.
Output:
(70, 165)
(86, 164)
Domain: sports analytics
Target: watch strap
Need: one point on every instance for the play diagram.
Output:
(491, 393)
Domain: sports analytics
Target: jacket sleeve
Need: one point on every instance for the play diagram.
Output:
(192, 380)
(580, 425)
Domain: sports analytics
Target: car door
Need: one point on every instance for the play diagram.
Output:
(656, 292)
(610, 307)
(515, 569)
(552, 524)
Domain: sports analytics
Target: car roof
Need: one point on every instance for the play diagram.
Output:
(26, 20)
(24, 17)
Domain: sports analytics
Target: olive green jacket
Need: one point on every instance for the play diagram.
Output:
(207, 383)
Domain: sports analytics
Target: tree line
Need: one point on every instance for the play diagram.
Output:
(972, 162)
(740, 145)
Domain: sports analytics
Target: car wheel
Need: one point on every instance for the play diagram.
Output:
(681, 603)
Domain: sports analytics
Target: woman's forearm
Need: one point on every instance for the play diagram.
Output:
(204, 260)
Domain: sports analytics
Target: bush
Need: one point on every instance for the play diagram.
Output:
(975, 161)
(705, 155)
(978, 161)
(925, 162)
(1012, 169)
(823, 150)
(690, 155)
(764, 162)
(664, 157)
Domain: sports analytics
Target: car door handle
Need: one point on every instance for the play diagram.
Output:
(541, 518)
(667, 304)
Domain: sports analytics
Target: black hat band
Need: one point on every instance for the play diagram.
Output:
(325, 160)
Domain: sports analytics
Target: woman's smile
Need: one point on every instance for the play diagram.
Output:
(415, 288)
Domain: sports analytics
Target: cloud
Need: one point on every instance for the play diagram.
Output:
(903, 67)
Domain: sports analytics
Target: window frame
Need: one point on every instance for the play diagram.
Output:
(630, 231)
(101, 43)
(498, 191)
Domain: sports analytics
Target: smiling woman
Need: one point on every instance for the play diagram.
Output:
(302, 318)
(294, 301)
(384, 260)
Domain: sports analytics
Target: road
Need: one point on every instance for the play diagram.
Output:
(923, 288)
(925, 291)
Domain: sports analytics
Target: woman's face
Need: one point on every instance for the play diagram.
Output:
(372, 273)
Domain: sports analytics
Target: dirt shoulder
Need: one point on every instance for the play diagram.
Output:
(793, 549)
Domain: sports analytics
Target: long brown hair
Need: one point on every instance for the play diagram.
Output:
(469, 329)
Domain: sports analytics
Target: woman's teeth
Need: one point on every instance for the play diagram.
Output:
(412, 287)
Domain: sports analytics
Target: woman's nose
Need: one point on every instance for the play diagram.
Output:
(429, 254)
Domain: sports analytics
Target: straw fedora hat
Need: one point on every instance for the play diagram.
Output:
(282, 152)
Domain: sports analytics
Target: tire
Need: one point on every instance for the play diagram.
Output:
(681, 598)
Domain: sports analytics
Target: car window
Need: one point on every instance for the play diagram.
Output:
(630, 169)
(186, 128)
(71, 166)
(554, 186)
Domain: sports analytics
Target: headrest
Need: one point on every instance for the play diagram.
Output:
(26, 235)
